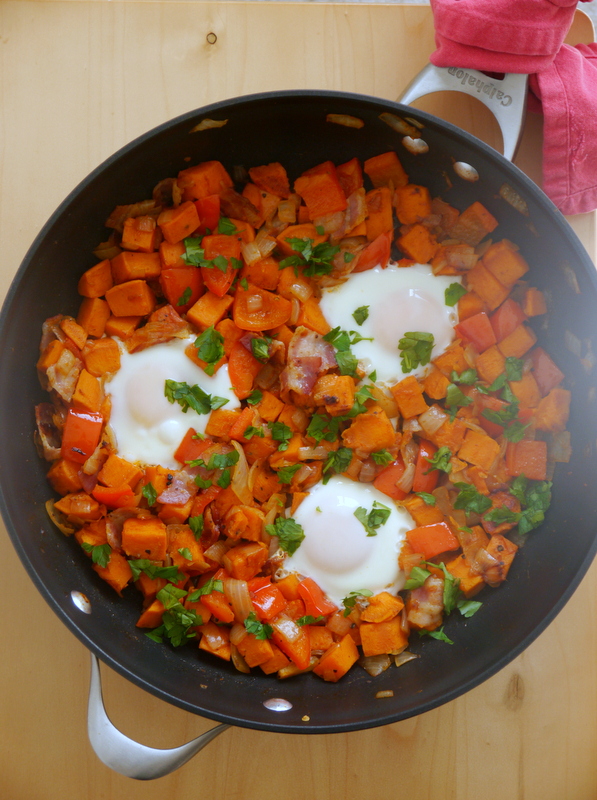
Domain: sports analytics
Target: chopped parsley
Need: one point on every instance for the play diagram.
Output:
(350, 600)
(470, 500)
(196, 524)
(468, 377)
(323, 426)
(455, 398)
(417, 577)
(360, 314)
(415, 349)
(382, 457)
(453, 293)
(341, 341)
(100, 553)
(437, 634)
(260, 347)
(535, 500)
(177, 620)
(373, 519)
(255, 397)
(253, 431)
(315, 260)
(427, 498)
(193, 254)
(290, 534)
(440, 460)
(260, 630)
(286, 474)
(185, 553)
(184, 297)
(150, 494)
(226, 226)
(308, 620)
(192, 397)
(280, 433)
(336, 462)
(210, 348)
(153, 571)
(212, 585)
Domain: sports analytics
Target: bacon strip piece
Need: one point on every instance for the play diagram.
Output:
(181, 488)
(48, 435)
(163, 325)
(64, 374)
(425, 605)
(309, 356)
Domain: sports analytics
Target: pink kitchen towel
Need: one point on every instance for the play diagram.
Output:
(527, 36)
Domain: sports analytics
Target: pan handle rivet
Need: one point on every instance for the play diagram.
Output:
(211, 38)
(277, 704)
(81, 601)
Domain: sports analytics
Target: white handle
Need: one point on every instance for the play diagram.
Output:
(127, 756)
(505, 98)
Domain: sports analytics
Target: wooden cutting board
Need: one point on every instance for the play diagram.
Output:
(78, 80)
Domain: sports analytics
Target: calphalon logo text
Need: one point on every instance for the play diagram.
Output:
(490, 89)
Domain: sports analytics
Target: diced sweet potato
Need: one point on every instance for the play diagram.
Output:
(336, 661)
(518, 342)
(553, 410)
(528, 458)
(382, 607)
(370, 432)
(145, 537)
(505, 262)
(335, 392)
(383, 637)
(244, 561)
(408, 395)
(470, 584)
(479, 449)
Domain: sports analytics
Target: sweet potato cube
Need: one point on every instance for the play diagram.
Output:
(528, 458)
(526, 391)
(209, 310)
(131, 266)
(479, 449)
(421, 512)
(152, 616)
(450, 434)
(490, 364)
(132, 298)
(269, 407)
(379, 213)
(451, 360)
(335, 392)
(518, 342)
(117, 470)
(533, 303)
(382, 607)
(418, 243)
(473, 224)
(386, 170)
(553, 410)
(378, 638)
(431, 540)
(145, 537)
(117, 573)
(336, 661)
(178, 223)
(255, 651)
(93, 315)
(203, 180)
(277, 662)
(408, 395)
(484, 283)
(245, 560)
(311, 316)
(181, 537)
(503, 551)
(470, 583)
(505, 262)
(412, 203)
(215, 640)
(244, 522)
(123, 327)
(96, 281)
(64, 476)
(75, 332)
(370, 431)
(435, 384)
(88, 392)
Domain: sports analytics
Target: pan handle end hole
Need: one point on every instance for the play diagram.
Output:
(277, 704)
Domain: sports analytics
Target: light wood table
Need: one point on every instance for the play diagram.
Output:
(78, 80)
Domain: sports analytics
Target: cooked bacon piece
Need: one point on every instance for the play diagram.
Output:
(163, 325)
(48, 436)
(309, 356)
(180, 489)
(120, 214)
(493, 562)
(236, 206)
(64, 374)
(51, 330)
(356, 212)
(425, 605)
(167, 193)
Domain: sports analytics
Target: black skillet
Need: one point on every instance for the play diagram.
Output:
(291, 127)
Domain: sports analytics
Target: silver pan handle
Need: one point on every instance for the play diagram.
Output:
(505, 98)
(127, 756)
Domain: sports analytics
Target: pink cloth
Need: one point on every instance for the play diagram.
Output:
(527, 36)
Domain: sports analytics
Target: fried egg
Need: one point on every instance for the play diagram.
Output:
(336, 552)
(148, 428)
(398, 300)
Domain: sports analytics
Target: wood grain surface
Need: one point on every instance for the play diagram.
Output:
(78, 79)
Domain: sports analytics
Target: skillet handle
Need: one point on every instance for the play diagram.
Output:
(126, 756)
(506, 98)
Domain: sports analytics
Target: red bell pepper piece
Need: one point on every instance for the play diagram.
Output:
(316, 603)
(376, 254)
(268, 601)
(506, 319)
(431, 540)
(425, 481)
(388, 477)
(208, 209)
(545, 372)
(115, 496)
(181, 283)
(478, 331)
(215, 246)
(191, 447)
(81, 435)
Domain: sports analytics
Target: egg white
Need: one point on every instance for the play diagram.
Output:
(400, 299)
(148, 428)
(336, 551)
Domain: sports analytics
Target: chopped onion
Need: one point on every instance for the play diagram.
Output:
(59, 520)
(375, 665)
(368, 472)
(404, 657)
(406, 481)
(217, 551)
(291, 669)
(240, 478)
(384, 693)
(295, 311)
(237, 593)
(470, 355)
(312, 453)
(264, 242)
(301, 290)
(287, 211)
(251, 253)
(254, 302)
(267, 377)
(238, 661)
(384, 399)
(345, 119)
(208, 123)
(412, 425)
(214, 638)
(398, 124)
(432, 419)
(300, 418)
(287, 628)
(237, 633)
